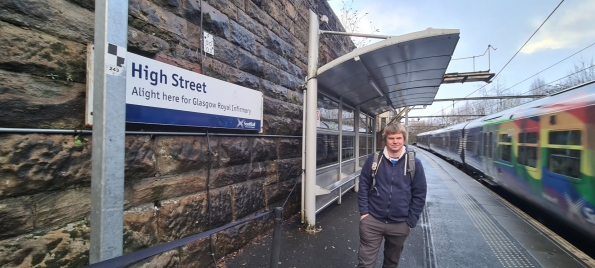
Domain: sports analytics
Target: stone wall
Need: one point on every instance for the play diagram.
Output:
(45, 179)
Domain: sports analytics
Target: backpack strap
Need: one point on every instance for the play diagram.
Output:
(375, 165)
(411, 163)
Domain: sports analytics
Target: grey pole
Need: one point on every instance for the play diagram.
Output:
(356, 144)
(340, 146)
(109, 110)
(277, 232)
(407, 126)
(311, 99)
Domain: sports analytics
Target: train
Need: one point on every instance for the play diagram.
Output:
(542, 151)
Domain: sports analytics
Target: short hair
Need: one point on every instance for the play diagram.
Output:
(394, 129)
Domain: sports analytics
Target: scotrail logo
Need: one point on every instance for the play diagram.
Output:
(243, 124)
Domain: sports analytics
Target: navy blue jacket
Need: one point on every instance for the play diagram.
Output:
(395, 198)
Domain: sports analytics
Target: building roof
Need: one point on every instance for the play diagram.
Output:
(400, 71)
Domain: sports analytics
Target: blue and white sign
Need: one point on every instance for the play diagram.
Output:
(159, 93)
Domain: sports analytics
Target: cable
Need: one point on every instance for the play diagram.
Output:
(514, 53)
(209, 196)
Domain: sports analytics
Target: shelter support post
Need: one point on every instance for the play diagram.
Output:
(407, 124)
(311, 99)
(304, 109)
(109, 115)
(356, 119)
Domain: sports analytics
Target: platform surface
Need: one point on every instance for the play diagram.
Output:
(463, 225)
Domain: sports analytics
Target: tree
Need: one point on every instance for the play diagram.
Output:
(351, 20)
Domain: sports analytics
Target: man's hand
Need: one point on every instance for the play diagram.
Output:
(363, 216)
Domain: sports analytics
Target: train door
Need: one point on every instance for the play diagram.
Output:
(488, 152)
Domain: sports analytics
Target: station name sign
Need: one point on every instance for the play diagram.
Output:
(159, 93)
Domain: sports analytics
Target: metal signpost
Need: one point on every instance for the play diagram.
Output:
(109, 108)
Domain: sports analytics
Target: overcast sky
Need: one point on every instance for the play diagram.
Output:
(504, 24)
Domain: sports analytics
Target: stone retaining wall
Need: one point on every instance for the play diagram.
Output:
(45, 179)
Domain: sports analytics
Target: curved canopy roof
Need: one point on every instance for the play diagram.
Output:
(400, 71)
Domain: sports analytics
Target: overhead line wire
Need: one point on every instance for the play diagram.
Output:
(546, 19)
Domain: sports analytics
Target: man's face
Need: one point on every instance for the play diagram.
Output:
(394, 142)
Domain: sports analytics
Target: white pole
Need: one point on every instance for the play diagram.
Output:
(311, 98)
(407, 125)
(356, 145)
(304, 109)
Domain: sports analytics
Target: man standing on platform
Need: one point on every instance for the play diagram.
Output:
(391, 197)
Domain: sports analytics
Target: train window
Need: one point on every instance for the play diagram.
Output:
(565, 162)
(505, 152)
(505, 138)
(572, 137)
(527, 156)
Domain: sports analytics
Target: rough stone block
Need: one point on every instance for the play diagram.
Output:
(281, 108)
(17, 216)
(215, 22)
(290, 148)
(63, 247)
(217, 69)
(163, 188)
(141, 229)
(179, 218)
(263, 149)
(230, 175)
(235, 238)
(252, 25)
(249, 63)
(186, 216)
(177, 155)
(277, 13)
(145, 43)
(274, 59)
(41, 54)
(28, 101)
(278, 193)
(281, 78)
(139, 158)
(178, 62)
(225, 51)
(153, 19)
(168, 259)
(276, 44)
(34, 163)
(275, 125)
(226, 7)
(234, 150)
(242, 37)
(197, 253)
(50, 17)
(247, 198)
(289, 168)
(62, 207)
(266, 170)
(245, 80)
(277, 92)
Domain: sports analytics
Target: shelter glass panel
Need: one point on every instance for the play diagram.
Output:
(363, 123)
(327, 149)
(363, 148)
(348, 119)
(348, 149)
(370, 145)
(329, 113)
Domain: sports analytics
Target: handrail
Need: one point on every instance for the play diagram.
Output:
(148, 252)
